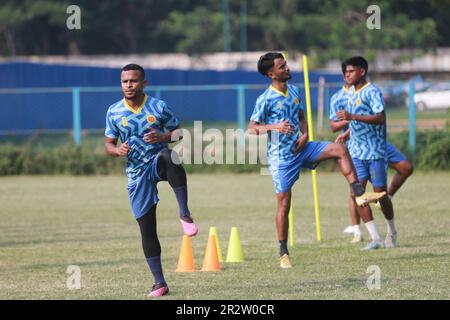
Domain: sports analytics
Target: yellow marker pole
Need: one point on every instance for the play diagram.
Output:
(291, 226)
(291, 215)
(311, 138)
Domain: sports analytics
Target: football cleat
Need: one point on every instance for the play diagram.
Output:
(284, 262)
(158, 290)
(390, 241)
(189, 227)
(357, 239)
(369, 197)
(349, 229)
(374, 245)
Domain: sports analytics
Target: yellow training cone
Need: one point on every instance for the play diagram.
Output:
(213, 231)
(211, 261)
(234, 253)
(186, 259)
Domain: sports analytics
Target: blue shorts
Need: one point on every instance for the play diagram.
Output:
(393, 155)
(285, 173)
(373, 170)
(143, 194)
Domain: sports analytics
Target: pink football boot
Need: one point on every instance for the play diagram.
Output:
(159, 290)
(189, 227)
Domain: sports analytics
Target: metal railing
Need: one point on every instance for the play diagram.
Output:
(239, 89)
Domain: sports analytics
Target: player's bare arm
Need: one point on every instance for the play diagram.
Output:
(304, 136)
(335, 126)
(343, 137)
(375, 119)
(156, 137)
(113, 150)
(283, 127)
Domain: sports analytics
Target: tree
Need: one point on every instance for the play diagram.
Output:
(325, 29)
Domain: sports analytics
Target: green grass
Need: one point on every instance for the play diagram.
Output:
(49, 223)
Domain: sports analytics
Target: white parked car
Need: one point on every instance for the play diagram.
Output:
(435, 97)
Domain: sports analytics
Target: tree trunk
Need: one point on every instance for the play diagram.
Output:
(10, 42)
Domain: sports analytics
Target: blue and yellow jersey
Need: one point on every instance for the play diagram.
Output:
(367, 141)
(130, 125)
(339, 101)
(273, 107)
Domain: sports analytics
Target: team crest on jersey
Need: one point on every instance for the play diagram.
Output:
(358, 102)
(124, 121)
(296, 101)
(151, 119)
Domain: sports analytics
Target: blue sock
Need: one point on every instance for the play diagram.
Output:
(182, 198)
(154, 263)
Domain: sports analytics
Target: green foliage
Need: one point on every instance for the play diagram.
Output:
(432, 148)
(433, 153)
(66, 159)
(326, 29)
(437, 155)
(193, 29)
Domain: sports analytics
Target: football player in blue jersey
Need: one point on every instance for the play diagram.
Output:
(279, 112)
(396, 160)
(145, 126)
(367, 138)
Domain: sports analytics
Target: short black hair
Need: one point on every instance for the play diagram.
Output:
(343, 67)
(359, 62)
(133, 66)
(266, 62)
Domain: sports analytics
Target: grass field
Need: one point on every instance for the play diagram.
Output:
(49, 223)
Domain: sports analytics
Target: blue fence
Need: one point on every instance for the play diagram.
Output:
(40, 97)
(53, 109)
(32, 75)
(66, 99)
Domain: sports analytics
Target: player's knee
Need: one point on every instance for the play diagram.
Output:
(406, 168)
(284, 206)
(165, 155)
(169, 157)
(409, 169)
(340, 150)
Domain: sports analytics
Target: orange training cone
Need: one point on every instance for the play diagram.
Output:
(186, 259)
(211, 260)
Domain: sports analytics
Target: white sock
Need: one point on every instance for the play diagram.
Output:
(372, 229)
(356, 230)
(391, 229)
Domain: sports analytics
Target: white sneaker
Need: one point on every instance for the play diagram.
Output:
(357, 238)
(349, 229)
(374, 245)
(390, 241)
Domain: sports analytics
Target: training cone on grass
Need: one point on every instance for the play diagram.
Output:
(234, 253)
(186, 259)
(213, 231)
(211, 260)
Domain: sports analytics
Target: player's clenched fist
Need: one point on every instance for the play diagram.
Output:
(123, 149)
